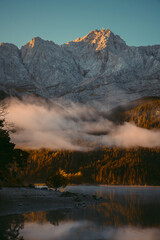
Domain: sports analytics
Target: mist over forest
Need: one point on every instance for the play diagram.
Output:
(85, 143)
(57, 126)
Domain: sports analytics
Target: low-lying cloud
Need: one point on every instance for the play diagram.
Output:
(39, 124)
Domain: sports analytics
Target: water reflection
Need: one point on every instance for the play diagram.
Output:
(137, 206)
(10, 227)
(83, 230)
(126, 215)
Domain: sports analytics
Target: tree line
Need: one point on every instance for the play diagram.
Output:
(129, 166)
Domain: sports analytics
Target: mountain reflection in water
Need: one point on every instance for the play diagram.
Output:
(127, 214)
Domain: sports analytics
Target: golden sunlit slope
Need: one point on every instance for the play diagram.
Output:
(144, 112)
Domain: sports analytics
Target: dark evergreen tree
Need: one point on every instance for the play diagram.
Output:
(56, 181)
(6, 150)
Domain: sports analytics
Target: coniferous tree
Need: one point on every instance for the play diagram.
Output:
(6, 150)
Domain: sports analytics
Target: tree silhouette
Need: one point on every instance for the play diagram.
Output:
(6, 150)
(56, 181)
(8, 155)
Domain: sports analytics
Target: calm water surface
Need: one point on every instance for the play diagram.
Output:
(130, 213)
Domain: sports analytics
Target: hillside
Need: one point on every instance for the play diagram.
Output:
(144, 112)
(107, 165)
(130, 166)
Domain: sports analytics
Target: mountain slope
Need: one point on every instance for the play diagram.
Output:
(14, 77)
(144, 112)
(98, 67)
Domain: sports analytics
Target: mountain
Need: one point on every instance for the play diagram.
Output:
(98, 67)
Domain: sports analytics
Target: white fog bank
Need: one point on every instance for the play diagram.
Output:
(56, 126)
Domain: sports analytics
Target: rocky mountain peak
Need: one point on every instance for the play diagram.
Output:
(7, 50)
(97, 67)
(35, 41)
(100, 39)
(9, 46)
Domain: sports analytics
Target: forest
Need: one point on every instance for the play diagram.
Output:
(145, 113)
(105, 165)
(132, 166)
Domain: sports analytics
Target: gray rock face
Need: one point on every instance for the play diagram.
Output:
(98, 67)
(14, 76)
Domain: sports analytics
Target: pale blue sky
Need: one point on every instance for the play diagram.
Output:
(136, 21)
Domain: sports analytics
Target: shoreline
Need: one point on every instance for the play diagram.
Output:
(18, 200)
(23, 200)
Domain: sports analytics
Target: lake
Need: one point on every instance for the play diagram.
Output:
(129, 213)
